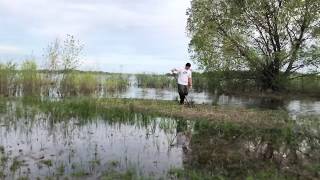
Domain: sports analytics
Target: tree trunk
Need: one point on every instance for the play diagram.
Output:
(270, 78)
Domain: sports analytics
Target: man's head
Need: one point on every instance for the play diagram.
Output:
(188, 66)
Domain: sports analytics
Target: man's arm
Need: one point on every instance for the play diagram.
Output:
(174, 70)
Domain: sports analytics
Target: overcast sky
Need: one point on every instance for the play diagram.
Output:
(118, 35)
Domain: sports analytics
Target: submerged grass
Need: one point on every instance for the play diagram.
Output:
(212, 113)
(116, 109)
(127, 175)
(113, 108)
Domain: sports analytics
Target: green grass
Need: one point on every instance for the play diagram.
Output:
(86, 108)
(60, 170)
(22, 178)
(155, 81)
(16, 164)
(2, 175)
(87, 83)
(80, 173)
(30, 78)
(129, 174)
(46, 162)
(306, 84)
(116, 83)
(114, 163)
(8, 79)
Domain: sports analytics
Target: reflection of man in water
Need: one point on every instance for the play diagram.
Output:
(183, 135)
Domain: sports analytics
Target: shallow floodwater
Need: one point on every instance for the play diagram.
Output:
(41, 140)
(46, 147)
(91, 148)
(294, 106)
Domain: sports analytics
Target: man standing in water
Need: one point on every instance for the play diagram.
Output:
(184, 81)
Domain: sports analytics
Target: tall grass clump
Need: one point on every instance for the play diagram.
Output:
(30, 78)
(88, 83)
(155, 81)
(74, 83)
(8, 79)
(68, 84)
(116, 83)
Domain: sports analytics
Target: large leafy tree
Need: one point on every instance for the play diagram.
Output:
(272, 38)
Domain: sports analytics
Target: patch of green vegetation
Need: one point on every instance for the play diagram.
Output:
(8, 79)
(23, 178)
(49, 178)
(266, 175)
(80, 173)
(155, 81)
(95, 162)
(114, 163)
(30, 78)
(116, 83)
(86, 109)
(60, 170)
(127, 175)
(2, 175)
(16, 164)
(177, 173)
(3, 160)
(47, 162)
(73, 166)
(305, 84)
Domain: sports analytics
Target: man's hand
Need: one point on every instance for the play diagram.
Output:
(174, 71)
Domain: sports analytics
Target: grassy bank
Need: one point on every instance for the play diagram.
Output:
(90, 107)
(206, 112)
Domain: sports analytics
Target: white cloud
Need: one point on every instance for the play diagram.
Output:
(60, 17)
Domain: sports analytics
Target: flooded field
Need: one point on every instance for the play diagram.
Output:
(77, 139)
(294, 106)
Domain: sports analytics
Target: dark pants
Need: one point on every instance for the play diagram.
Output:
(183, 92)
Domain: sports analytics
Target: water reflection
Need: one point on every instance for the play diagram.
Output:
(75, 138)
(229, 150)
(93, 147)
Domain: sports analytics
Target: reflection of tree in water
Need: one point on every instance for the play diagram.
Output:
(271, 103)
(236, 151)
